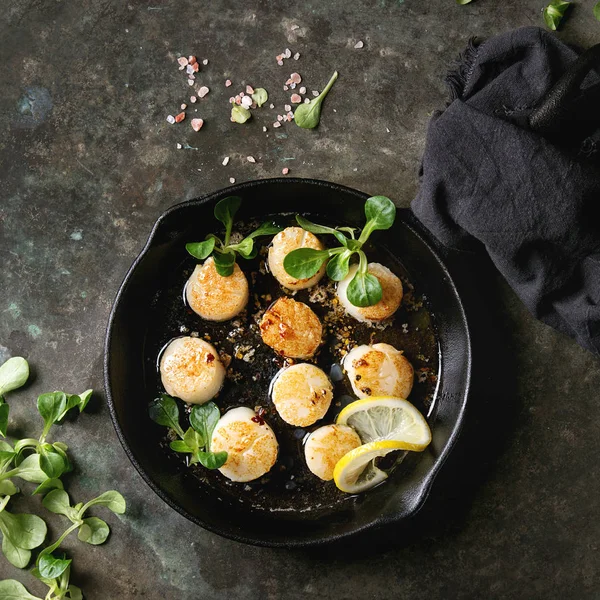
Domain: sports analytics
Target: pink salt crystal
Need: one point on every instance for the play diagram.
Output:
(232, 100)
(205, 61)
(197, 124)
(296, 99)
(183, 61)
(238, 100)
(287, 107)
(279, 118)
(279, 57)
(193, 99)
(276, 124)
(250, 159)
(280, 63)
(189, 69)
(285, 88)
(227, 82)
(285, 171)
(249, 89)
(295, 78)
(190, 82)
(287, 53)
(203, 91)
(196, 67)
(180, 117)
(192, 60)
(302, 90)
(171, 119)
(183, 106)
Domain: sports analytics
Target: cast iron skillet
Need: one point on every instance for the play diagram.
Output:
(126, 365)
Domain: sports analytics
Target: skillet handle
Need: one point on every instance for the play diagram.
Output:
(565, 112)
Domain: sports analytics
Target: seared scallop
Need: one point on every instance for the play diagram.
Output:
(390, 301)
(291, 328)
(214, 297)
(379, 370)
(325, 446)
(302, 394)
(292, 238)
(250, 444)
(190, 369)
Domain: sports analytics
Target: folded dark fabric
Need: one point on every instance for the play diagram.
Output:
(489, 179)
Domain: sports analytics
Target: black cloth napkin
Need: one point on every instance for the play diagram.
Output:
(490, 179)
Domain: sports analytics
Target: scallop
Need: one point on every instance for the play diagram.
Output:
(325, 446)
(214, 297)
(250, 444)
(190, 369)
(291, 328)
(302, 394)
(390, 301)
(292, 238)
(379, 370)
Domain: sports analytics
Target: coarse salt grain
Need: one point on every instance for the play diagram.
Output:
(296, 99)
(193, 99)
(359, 45)
(302, 90)
(249, 89)
(190, 81)
(232, 180)
(280, 63)
(227, 82)
(285, 88)
(183, 106)
(192, 60)
(277, 124)
(297, 56)
(205, 61)
(250, 159)
(203, 91)
(285, 171)
(178, 146)
(180, 117)
(295, 78)
(287, 107)
(171, 119)
(315, 93)
(225, 161)
(287, 53)
(197, 124)
(183, 61)
(279, 118)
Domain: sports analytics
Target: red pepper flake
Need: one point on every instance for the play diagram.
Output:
(180, 117)
(210, 357)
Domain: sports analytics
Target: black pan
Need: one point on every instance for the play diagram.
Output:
(289, 507)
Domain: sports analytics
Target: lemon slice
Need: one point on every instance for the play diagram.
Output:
(384, 424)
(386, 418)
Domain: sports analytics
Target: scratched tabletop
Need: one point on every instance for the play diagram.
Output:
(88, 161)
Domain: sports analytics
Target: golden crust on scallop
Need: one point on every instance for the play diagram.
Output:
(214, 297)
(326, 446)
(291, 328)
(292, 238)
(190, 369)
(251, 446)
(379, 370)
(302, 394)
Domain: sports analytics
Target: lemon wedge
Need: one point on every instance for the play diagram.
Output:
(384, 424)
